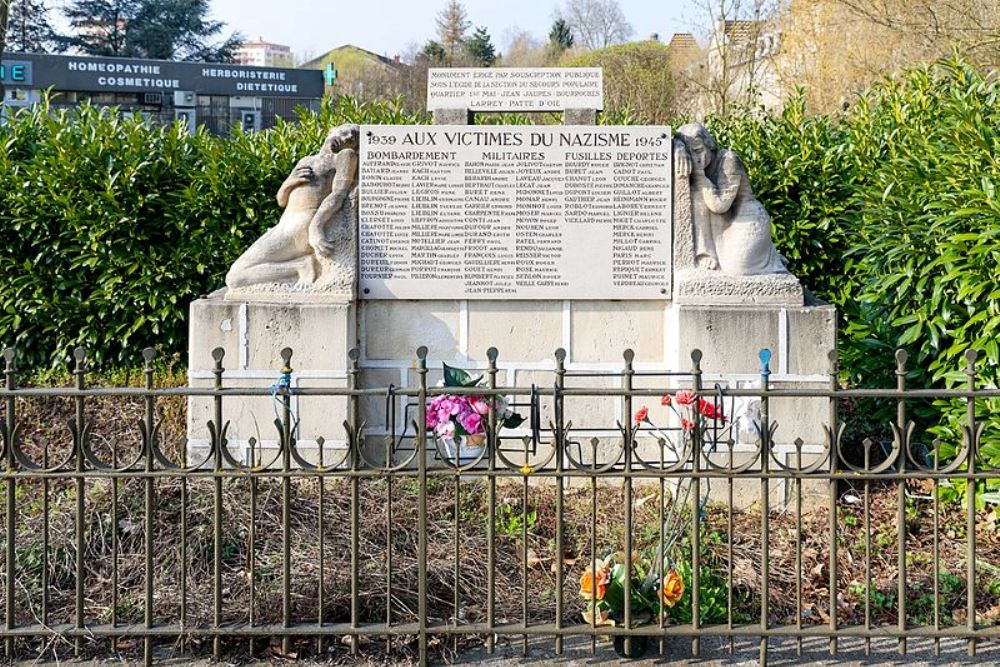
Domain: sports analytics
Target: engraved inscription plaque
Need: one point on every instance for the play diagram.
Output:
(519, 212)
(515, 88)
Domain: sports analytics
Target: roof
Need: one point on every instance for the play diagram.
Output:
(740, 31)
(321, 61)
(260, 42)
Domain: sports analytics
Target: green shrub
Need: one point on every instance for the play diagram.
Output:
(111, 226)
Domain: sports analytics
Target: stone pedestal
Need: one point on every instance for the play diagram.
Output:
(252, 334)
(730, 338)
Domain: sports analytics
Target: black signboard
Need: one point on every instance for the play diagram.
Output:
(127, 75)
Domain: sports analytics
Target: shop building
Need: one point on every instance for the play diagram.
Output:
(218, 96)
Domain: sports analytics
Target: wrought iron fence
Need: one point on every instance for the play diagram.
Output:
(85, 517)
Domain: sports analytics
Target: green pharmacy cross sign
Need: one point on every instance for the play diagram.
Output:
(329, 74)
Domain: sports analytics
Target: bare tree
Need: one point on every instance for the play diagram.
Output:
(453, 24)
(835, 49)
(738, 66)
(597, 23)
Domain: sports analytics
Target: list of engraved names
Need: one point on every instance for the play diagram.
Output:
(459, 212)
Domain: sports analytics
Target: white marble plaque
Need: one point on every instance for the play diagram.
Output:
(515, 88)
(517, 212)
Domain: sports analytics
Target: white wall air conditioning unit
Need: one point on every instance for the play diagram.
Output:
(184, 98)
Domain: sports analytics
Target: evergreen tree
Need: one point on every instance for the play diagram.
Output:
(480, 48)
(99, 27)
(432, 52)
(180, 30)
(561, 36)
(162, 29)
(4, 8)
(28, 28)
(452, 25)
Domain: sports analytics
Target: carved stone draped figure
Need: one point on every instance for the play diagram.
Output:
(311, 251)
(732, 230)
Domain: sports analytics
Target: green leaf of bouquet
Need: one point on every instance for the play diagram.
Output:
(513, 420)
(455, 377)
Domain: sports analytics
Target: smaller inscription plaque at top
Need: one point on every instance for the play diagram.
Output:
(515, 88)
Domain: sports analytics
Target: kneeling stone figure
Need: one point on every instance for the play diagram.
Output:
(311, 251)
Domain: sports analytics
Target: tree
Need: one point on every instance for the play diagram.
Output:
(739, 66)
(597, 23)
(164, 29)
(886, 36)
(433, 53)
(637, 79)
(452, 25)
(28, 28)
(99, 27)
(560, 36)
(4, 10)
(480, 48)
(180, 30)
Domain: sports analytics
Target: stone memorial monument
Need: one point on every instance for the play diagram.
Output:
(527, 238)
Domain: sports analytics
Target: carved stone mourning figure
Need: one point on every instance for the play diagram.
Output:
(732, 230)
(311, 250)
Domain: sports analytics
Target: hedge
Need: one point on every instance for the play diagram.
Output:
(112, 226)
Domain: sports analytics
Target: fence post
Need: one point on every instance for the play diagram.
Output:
(10, 382)
(560, 443)
(353, 415)
(421, 447)
(970, 501)
(287, 433)
(834, 445)
(149, 430)
(901, 500)
(219, 438)
(80, 433)
(696, 448)
(493, 445)
(765, 499)
(629, 435)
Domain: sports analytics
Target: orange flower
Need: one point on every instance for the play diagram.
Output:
(594, 581)
(673, 588)
(641, 414)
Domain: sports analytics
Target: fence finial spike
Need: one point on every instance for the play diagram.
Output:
(80, 354)
(970, 359)
(286, 355)
(148, 354)
(492, 354)
(901, 357)
(560, 355)
(696, 356)
(765, 360)
(422, 352)
(9, 354)
(629, 355)
(218, 354)
(354, 354)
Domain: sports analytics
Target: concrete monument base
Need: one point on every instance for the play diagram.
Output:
(698, 286)
(252, 334)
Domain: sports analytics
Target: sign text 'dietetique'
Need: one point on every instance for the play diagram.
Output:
(460, 212)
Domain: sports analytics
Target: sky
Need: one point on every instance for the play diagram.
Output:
(389, 27)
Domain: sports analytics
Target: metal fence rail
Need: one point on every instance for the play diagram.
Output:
(148, 479)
